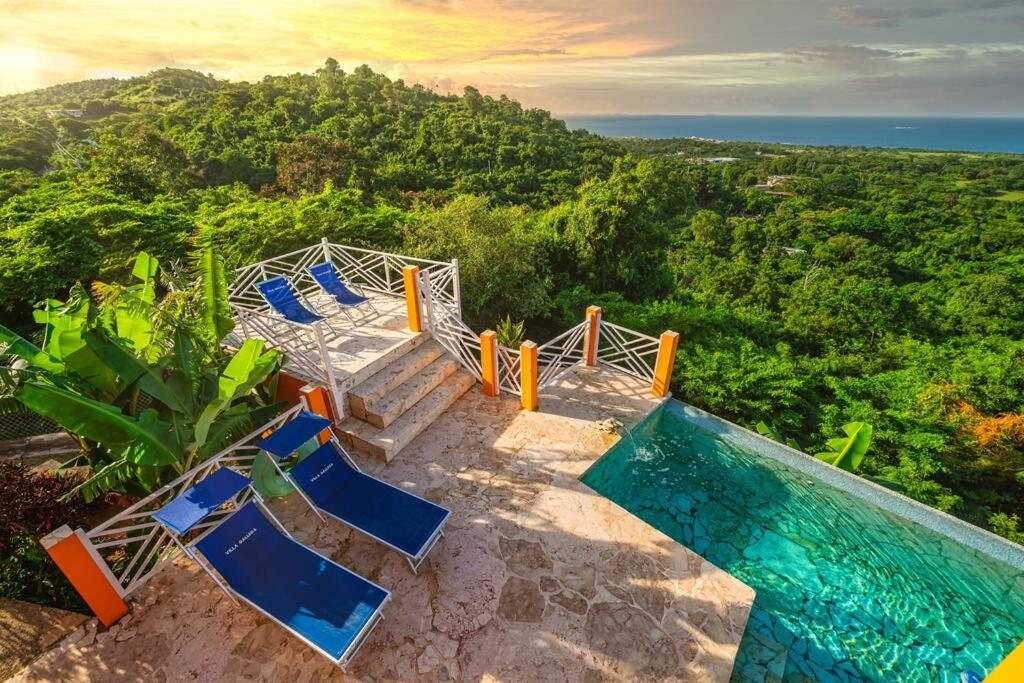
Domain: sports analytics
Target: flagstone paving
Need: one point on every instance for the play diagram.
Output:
(537, 579)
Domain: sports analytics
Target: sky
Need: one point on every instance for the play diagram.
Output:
(900, 57)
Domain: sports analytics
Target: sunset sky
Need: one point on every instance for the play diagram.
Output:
(569, 56)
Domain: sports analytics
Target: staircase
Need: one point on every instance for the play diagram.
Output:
(391, 407)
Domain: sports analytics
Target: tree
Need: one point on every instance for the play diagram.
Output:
(308, 163)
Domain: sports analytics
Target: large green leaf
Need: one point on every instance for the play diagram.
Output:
(29, 352)
(134, 316)
(130, 369)
(247, 368)
(216, 310)
(100, 422)
(234, 423)
(848, 453)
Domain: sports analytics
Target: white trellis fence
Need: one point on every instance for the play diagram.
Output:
(374, 271)
(444, 320)
(142, 545)
(628, 351)
(556, 357)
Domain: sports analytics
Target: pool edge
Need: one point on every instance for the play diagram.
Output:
(968, 534)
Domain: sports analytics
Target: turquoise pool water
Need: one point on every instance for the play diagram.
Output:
(846, 590)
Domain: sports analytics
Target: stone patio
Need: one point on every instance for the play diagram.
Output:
(538, 578)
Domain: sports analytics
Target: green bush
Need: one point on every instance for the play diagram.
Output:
(31, 506)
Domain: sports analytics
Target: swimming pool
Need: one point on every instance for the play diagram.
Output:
(848, 587)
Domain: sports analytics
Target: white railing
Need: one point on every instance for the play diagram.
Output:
(559, 355)
(374, 271)
(510, 363)
(135, 535)
(628, 351)
(445, 321)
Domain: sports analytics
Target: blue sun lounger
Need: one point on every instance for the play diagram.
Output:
(330, 482)
(328, 607)
(327, 277)
(279, 294)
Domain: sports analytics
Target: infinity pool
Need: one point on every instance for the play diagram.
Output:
(846, 590)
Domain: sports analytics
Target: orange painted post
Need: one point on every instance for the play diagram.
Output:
(317, 401)
(412, 298)
(592, 335)
(1011, 669)
(528, 370)
(288, 388)
(489, 362)
(663, 365)
(87, 572)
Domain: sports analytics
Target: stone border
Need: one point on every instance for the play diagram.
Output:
(940, 522)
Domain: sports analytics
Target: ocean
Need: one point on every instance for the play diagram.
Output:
(932, 133)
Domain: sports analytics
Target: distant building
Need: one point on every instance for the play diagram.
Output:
(773, 181)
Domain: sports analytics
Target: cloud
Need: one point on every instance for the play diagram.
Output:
(891, 14)
(848, 55)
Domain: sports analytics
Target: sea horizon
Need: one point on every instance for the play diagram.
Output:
(989, 134)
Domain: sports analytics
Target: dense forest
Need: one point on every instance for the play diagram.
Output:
(811, 286)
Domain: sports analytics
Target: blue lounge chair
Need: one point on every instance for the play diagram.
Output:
(279, 294)
(330, 482)
(328, 607)
(327, 277)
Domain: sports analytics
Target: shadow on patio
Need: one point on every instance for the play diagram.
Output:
(538, 577)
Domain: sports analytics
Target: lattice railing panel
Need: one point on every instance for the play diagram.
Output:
(446, 325)
(509, 370)
(628, 351)
(560, 354)
(143, 545)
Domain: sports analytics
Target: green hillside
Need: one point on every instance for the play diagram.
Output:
(812, 287)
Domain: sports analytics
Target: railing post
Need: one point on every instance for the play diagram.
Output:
(489, 362)
(426, 292)
(457, 287)
(663, 365)
(592, 335)
(88, 573)
(316, 401)
(332, 386)
(528, 370)
(412, 297)
(325, 244)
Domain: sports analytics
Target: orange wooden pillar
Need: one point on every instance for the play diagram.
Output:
(1011, 669)
(591, 336)
(528, 374)
(489, 362)
(87, 572)
(318, 401)
(412, 298)
(663, 365)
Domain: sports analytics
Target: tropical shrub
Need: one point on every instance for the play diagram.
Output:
(29, 509)
(142, 382)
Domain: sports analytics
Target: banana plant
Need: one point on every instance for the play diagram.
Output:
(143, 383)
(847, 453)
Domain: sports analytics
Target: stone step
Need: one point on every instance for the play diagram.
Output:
(386, 380)
(388, 408)
(386, 443)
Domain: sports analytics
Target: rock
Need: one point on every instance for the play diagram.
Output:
(521, 600)
(524, 557)
(579, 578)
(629, 637)
(570, 601)
(429, 660)
(548, 584)
(126, 634)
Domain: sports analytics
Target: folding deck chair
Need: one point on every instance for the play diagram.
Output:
(327, 606)
(341, 291)
(329, 480)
